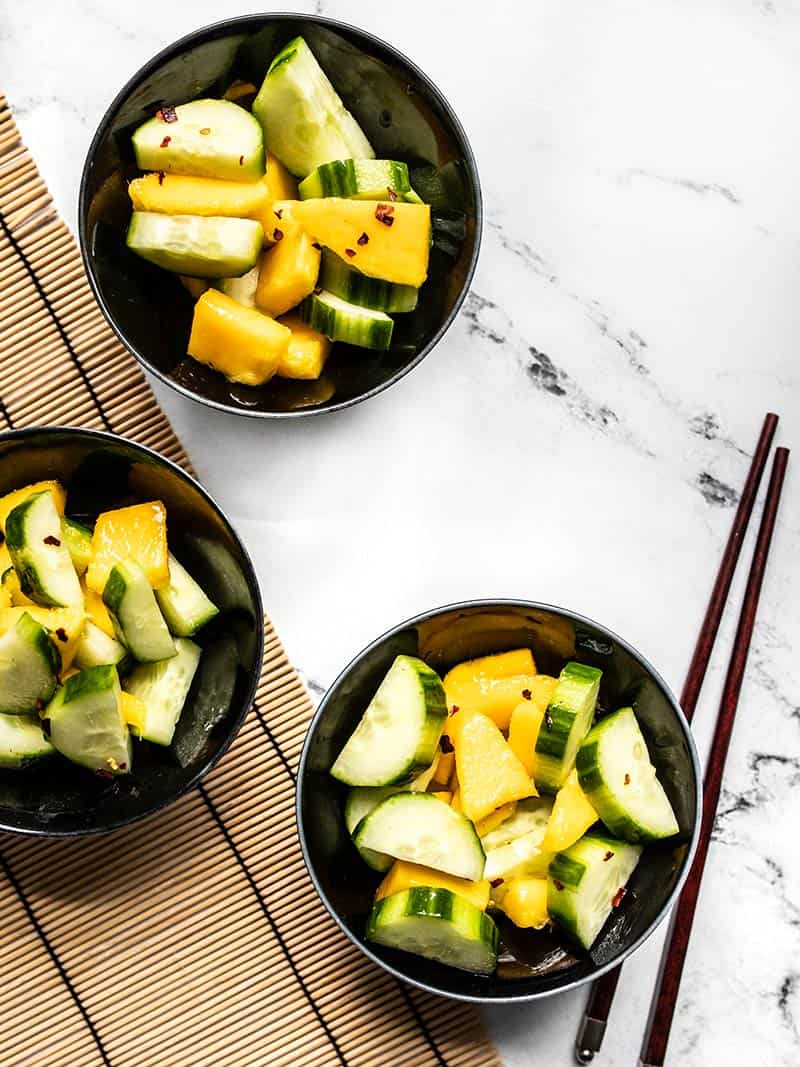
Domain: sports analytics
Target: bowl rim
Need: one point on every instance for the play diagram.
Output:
(573, 616)
(252, 581)
(196, 36)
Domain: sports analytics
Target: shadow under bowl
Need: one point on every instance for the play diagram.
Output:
(404, 116)
(533, 964)
(102, 471)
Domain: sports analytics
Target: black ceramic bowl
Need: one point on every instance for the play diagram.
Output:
(404, 116)
(533, 964)
(102, 471)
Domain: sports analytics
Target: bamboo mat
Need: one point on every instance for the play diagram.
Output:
(194, 938)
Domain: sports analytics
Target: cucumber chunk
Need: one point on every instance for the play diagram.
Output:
(41, 559)
(86, 723)
(214, 686)
(303, 118)
(399, 732)
(515, 850)
(359, 179)
(184, 605)
(29, 665)
(137, 620)
(615, 773)
(342, 321)
(22, 741)
(78, 539)
(357, 288)
(242, 290)
(208, 139)
(204, 246)
(531, 815)
(423, 829)
(438, 925)
(565, 724)
(96, 649)
(584, 883)
(164, 687)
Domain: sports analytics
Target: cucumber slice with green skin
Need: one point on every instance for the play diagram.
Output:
(41, 559)
(530, 817)
(615, 773)
(242, 290)
(342, 321)
(164, 687)
(584, 883)
(85, 722)
(203, 246)
(29, 666)
(214, 685)
(438, 925)
(303, 118)
(135, 614)
(359, 179)
(565, 724)
(97, 649)
(22, 741)
(399, 732)
(209, 139)
(423, 829)
(184, 605)
(78, 539)
(521, 858)
(357, 288)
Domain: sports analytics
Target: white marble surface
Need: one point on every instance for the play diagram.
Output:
(580, 434)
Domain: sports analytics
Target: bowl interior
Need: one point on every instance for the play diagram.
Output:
(532, 963)
(403, 116)
(101, 472)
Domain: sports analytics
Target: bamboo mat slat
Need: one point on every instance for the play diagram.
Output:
(193, 939)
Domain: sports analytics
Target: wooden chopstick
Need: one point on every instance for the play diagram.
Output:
(654, 1048)
(595, 1018)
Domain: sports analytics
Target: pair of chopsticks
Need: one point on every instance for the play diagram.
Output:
(593, 1026)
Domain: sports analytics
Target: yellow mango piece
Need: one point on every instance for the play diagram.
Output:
(134, 710)
(280, 183)
(525, 902)
(138, 532)
(489, 774)
(307, 351)
(571, 817)
(14, 589)
(526, 720)
(65, 626)
(177, 194)
(403, 875)
(455, 800)
(195, 286)
(496, 818)
(5, 598)
(10, 500)
(444, 768)
(240, 342)
(398, 236)
(444, 795)
(492, 685)
(96, 610)
(289, 270)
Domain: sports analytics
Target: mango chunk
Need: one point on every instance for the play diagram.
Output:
(492, 685)
(525, 902)
(280, 183)
(445, 768)
(526, 720)
(384, 240)
(305, 357)
(403, 875)
(240, 342)
(177, 194)
(134, 710)
(443, 795)
(5, 598)
(194, 286)
(10, 500)
(571, 817)
(489, 774)
(96, 610)
(65, 626)
(289, 270)
(455, 800)
(495, 819)
(138, 532)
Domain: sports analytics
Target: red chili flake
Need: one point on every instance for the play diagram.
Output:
(363, 239)
(385, 213)
(317, 245)
(161, 177)
(350, 252)
(241, 160)
(278, 212)
(627, 779)
(607, 856)
(495, 882)
(618, 897)
(165, 141)
(167, 114)
(526, 694)
(123, 766)
(559, 885)
(548, 720)
(50, 540)
(205, 130)
(391, 193)
(454, 709)
(445, 744)
(277, 235)
(61, 634)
